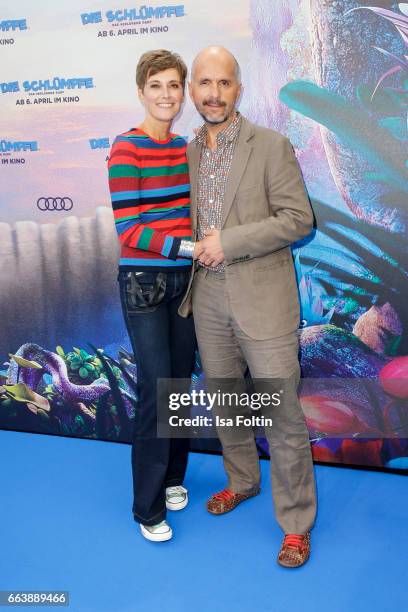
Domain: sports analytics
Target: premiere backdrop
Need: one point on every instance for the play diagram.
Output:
(332, 76)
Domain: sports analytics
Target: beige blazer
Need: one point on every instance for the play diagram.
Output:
(266, 209)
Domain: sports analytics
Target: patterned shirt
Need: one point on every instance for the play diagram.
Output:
(150, 192)
(213, 173)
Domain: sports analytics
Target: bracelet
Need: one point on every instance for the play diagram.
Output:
(186, 249)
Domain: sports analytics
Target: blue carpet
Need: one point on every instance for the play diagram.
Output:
(66, 524)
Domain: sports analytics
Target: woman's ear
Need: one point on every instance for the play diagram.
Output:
(140, 94)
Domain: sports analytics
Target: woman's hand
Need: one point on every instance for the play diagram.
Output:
(198, 249)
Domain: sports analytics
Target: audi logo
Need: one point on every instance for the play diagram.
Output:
(55, 203)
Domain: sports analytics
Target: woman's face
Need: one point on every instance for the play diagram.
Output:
(162, 95)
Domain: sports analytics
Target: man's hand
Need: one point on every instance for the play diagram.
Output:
(211, 253)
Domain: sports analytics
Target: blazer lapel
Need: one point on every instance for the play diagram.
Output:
(193, 155)
(239, 162)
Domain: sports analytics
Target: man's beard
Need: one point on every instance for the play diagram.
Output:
(216, 121)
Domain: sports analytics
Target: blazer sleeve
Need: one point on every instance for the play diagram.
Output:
(291, 216)
(125, 186)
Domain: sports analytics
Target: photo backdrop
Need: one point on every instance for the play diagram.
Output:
(332, 76)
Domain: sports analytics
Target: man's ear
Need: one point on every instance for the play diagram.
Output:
(190, 90)
(240, 92)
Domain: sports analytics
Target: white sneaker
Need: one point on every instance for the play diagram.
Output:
(157, 533)
(176, 498)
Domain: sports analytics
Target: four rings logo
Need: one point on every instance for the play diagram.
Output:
(55, 203)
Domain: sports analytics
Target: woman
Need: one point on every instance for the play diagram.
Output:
(149, 185)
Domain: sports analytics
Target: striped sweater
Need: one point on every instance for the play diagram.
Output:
(150, 193)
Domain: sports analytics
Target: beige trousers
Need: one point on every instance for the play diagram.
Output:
(225, 352)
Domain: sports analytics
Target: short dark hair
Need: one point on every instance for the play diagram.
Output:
(155, 61)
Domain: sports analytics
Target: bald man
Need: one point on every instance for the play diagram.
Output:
(248, 206)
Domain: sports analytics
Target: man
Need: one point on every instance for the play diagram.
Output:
(248, 205)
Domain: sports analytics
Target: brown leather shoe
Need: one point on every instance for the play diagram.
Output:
(295, 550)
(227, 500)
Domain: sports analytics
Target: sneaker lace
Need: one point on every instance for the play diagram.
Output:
(154, 528)
(176, 491)
(224, 495)
(292, 540)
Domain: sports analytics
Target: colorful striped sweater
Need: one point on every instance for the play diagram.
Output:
(150, 193)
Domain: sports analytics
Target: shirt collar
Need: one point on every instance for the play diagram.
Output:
(227, 134)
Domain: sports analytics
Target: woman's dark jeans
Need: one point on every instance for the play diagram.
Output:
(164, 347)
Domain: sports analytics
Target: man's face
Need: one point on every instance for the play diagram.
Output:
(214, 88)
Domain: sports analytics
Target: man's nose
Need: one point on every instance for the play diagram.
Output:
(214, 90)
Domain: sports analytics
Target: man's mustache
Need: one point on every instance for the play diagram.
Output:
(214, 101)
